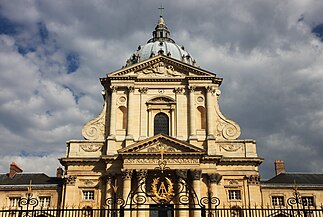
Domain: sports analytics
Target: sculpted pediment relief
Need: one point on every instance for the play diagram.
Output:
(161, 67)
(166, 144)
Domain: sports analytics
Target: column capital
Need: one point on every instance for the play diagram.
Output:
(191, 88)
(179, 90)
(70, 180)
(143, 90)
(196, 174)
(131, 89)
(126, 174)
(210, 89)
(141, 174)
(215, 178)
(113, 88)
(253, 179)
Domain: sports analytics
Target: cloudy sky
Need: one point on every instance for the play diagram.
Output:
(270, 54)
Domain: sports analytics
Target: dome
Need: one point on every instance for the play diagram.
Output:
(160, 44)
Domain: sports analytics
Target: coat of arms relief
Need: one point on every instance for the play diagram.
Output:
(159, 69)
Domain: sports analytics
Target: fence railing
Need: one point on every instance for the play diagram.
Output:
(167, 211)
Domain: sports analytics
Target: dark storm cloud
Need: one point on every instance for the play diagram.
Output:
(268, 52)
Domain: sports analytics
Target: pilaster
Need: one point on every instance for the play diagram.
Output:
(113, 112)
(210, 112)
(130, 116)
(192, 111)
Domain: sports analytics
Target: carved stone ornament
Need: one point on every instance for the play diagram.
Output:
(159, 70)
(196, 174)
(95, 129)
(70, 180)
(210, 89)
(226, 128)
(253, 180)
(179, 90)
(143, 90)
(231, 147)
(113, 88)
(215, 178)
(122, 100)
(141, 174)
(155, 161)
(92, 147)
(233, 182)
(191, 88)
(131, 89)
(157, 146)
(88, 182)
(127, 174)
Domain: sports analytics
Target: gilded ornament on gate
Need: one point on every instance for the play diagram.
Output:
(165, 191)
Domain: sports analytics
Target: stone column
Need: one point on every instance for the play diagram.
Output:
(131, 113)
(109, 191)
(196, 176)
(192, 112)
(173, 124)
(126, 177)
(143, 117)
(150, 122)
(113, 112)
(178, 112)
(214, 179)
(210, 112)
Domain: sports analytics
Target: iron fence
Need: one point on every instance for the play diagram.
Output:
(167, 210)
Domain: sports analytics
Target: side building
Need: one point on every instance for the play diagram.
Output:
(17, 185)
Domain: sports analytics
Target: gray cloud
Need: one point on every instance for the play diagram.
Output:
(265, 51)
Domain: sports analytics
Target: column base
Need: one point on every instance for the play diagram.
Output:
(111, 137)
(129, 137)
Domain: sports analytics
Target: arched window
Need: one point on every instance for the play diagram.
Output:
(201, 118)
(161, 124)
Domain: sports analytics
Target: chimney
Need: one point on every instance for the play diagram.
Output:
(14, 169)
(279, 167)
(59, 172)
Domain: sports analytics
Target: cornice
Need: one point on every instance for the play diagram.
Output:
(165, 154)
(157, 59)
(137, 146)
(240, 161)
(66, 161)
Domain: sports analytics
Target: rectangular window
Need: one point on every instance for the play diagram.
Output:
(88, 195)
(44, 201)
(277, 200)
(14, 201)
(234, 194)
(308, 201)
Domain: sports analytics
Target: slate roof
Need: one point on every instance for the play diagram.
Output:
(298, 178)
(24, 179)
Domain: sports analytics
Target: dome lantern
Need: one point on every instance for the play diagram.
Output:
(160, 44)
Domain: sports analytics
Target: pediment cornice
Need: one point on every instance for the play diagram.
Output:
(154, 145)
(161, 67)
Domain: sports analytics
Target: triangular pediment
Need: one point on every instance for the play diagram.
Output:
(161, 67)
(162, 143)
